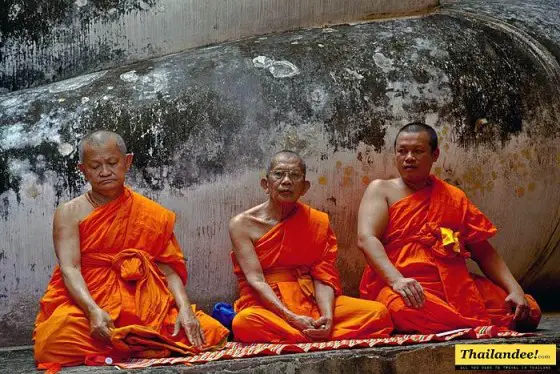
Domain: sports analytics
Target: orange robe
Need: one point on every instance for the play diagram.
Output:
(119, 243)
(292, 254)
(425, 239)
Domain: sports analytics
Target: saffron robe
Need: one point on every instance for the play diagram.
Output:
(292, 254)
(425, 239)
(120, 243)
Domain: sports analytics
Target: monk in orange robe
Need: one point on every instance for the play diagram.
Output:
(416, 232)
(119, 287)
(284, 255)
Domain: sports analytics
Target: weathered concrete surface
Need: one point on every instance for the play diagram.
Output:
(420, 359)
(202, 123)
(537, 20)
(47, 41)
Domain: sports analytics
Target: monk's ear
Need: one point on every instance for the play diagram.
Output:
(264, 185)
(128, 160)
(435, 154)
(306, 187)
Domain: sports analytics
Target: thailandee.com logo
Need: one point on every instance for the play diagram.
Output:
(505, 356)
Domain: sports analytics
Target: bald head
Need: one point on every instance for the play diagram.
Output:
(100, 138)
(285, 155)
(417, 127)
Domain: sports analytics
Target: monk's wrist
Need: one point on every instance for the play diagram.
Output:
(90, 309)
(393, 280)
(288, 315)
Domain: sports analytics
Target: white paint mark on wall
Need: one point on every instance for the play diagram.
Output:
(75, 83)
(152, 83)
(283, 69)
(278, 69)
(354, 73)
(262, 62)
(384, 63)
(65, 149)
(129, 76)
(81, 3)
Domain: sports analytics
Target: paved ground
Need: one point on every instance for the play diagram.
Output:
(418, 359)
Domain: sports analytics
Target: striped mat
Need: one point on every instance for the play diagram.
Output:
(234, 350)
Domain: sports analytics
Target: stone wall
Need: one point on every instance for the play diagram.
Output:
(202, 123)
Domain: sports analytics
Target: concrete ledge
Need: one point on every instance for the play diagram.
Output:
(418, 359)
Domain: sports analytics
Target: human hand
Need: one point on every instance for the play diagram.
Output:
(517, 300)
(188, 321)
(410, 290)
(300, 322)
(322, 329)
(100, 324)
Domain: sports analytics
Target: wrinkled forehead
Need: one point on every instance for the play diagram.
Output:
(413, 139)
(287, 161)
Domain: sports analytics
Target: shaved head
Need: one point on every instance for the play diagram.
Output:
(285, 153)
(99, 138)
(416, 127)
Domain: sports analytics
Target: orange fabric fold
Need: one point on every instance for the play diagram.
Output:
(426, 239)
(120, 244)
(293, 254)
(148, 343)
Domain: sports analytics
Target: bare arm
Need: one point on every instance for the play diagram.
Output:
(66, 238)
(186, 317)
(324, 296)
(249, 262)
(373, 217)
(495, 269)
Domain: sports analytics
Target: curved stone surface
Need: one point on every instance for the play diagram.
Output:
(43, 41)
(202, 123)
(535, 24)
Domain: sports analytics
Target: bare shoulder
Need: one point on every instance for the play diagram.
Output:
(381, 187)
(242, 221)
(73, 211)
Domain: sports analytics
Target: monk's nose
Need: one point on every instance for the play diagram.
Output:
(105, 170)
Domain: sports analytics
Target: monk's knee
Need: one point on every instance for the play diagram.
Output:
(383, 315)
(401, 314)
(245, 323)
(49, 335)
(64, 329)
(376, 311)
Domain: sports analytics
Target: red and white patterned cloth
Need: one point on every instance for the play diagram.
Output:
(235, 350)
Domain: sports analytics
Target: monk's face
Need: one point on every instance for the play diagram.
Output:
(104, 166)
(414, 155)
(285, 183)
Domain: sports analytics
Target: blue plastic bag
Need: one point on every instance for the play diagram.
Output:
(224, 313)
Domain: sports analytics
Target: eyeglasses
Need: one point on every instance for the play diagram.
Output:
(294, 176)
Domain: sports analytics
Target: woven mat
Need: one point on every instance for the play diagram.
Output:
(234, 350)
